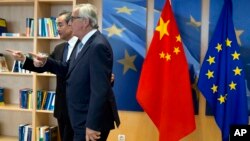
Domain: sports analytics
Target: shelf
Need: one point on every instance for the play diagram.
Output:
(8, 138)
(44, 111)
(57, 1)
(14, 107)
(46, 74)
(49, 38)
(16, 74)
(21, 37)
(16, 2)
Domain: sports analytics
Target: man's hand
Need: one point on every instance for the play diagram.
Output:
(18, 55)
(39, 60)
(92, 135)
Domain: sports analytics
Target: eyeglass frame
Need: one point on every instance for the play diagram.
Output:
(72, 18)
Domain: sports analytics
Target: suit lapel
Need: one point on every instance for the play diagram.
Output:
(74, 61)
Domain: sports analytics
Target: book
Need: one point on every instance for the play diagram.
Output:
(3, 26)
(1, 96)
(3, 64)
(10, 34)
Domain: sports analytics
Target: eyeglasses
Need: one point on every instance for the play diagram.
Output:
(72, 18)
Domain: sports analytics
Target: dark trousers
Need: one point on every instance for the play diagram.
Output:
(65, 129)
(81, 136)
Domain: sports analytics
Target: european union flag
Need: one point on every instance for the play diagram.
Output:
(221, 78)
(124, 24)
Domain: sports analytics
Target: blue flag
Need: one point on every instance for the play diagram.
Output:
(222, 78)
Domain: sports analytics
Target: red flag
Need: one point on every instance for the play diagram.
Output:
(164, 89)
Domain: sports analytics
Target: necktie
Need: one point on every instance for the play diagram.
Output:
(65, 52)
(79, 48)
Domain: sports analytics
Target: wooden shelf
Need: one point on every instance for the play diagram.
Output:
(14, 107)
(46, 74)
(21, 37)
(49, 38)
(44, 111)
(16, 2)
(8, 138)
(16, 74)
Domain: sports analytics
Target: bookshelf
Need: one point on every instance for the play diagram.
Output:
(15, 12)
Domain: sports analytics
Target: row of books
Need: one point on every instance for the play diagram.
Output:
(25, 132)
(45, 99)
(43, 133)
(17, 67)
(47, 27)
(29, 27)
(25, 98)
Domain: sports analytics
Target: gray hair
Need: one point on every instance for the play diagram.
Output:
(88, 11)
(67, 15)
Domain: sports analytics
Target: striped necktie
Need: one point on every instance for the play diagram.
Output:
(79, 48)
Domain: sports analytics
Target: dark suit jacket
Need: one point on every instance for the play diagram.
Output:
(60, 101)
(91, 101)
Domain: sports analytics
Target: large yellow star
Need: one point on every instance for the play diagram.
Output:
(237, 71)
(163, 28)
(232, 86)
(214, 88)
(238, 33)
(210, 74)
(235, 55)
(228, 42)
(222, 99)
(128, 62)
(211, 60)
(219, 47)
(114, 30)
(124, 9)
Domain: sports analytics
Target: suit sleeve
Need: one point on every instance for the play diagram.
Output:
(28, 64)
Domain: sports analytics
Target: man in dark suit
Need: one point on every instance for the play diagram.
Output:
(62, 52)
(91, 102)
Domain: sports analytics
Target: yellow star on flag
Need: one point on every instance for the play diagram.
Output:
(177, 50)
(178, 38)
(163, 28)
(236, 55)
(211, 60)
(222, 99)
(214, 88)
(114, 30)
(237, 71)
(125, 10)
(232, 86)
(210, 74)
(162, 55)
(219, 47)
(168, 57)
(228, 43)
(128, 62)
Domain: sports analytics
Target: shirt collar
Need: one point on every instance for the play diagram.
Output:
(87, 36)
(72, 41)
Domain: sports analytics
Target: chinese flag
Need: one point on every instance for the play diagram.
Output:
(164, 90)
